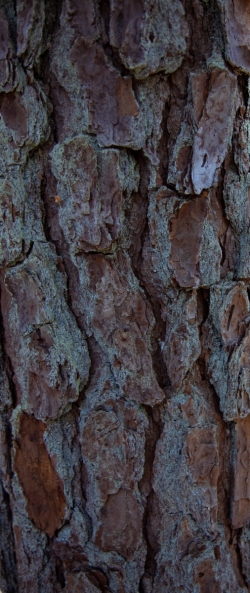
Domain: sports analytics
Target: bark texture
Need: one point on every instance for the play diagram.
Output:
(125, 286)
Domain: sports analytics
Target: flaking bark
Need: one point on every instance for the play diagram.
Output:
(125, 283)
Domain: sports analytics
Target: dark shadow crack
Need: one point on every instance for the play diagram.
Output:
(7, 558)
(153, 434)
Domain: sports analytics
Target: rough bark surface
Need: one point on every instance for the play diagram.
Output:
(125, 288)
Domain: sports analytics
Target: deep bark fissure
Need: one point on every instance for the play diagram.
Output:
(124, 311)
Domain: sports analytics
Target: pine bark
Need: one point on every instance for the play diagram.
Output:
(125, 287)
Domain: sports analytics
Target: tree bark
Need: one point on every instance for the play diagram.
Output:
(125, 283)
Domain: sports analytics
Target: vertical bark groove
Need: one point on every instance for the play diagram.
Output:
(125, 279)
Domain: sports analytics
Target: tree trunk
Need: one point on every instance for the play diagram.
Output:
(125, 286)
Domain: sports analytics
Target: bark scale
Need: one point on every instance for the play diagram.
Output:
(125, 287)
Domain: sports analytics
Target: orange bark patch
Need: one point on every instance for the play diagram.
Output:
(41, 485)
(233, 320)
(14, 114)
(241, 499)
(120, 529)
(186, 235)
(202, 456)
(204, 576)
(126, 103)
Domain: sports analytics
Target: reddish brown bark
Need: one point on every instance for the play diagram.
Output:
(125, 277)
